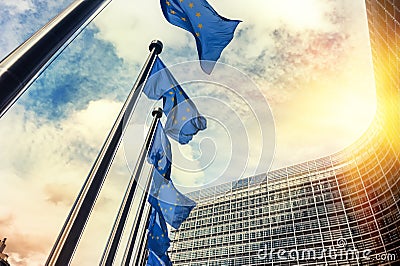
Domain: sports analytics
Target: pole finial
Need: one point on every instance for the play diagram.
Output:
(157, 112)
(157, 45)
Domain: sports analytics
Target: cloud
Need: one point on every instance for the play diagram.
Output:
(286, 48)
(6, 220)
(311, 60)
(59, 194)
(131, 27)
(87, 70)
(20, 19)
(44, 174)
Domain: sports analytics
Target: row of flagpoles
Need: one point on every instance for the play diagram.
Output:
(166, 205)
(72, 230)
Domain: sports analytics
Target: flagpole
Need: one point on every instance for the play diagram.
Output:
(144, 255)
(120, 221)
(70, 234)
(135, 234)
(142, 252)
(22, 66)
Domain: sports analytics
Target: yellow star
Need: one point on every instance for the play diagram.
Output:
(184, 19)
(187, 110)
(173, 12)
(173, 99)
(162, 186)
(197, 34)
(162, 235)
(200, 26)
(175, 122)
(170, 209)
(159, 168)
(168, 3)
(198, 14)
(191, 5)
(152, 237)
(183, 118)
(181, 1)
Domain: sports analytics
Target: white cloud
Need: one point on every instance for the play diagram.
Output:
(315, 75)
(131, 27)
(43, 166)
(19, 6)
(287, 48)
(20, 19)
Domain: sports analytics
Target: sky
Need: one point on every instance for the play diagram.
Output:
(295, 84)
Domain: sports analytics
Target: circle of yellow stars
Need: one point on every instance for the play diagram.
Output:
(190, 5)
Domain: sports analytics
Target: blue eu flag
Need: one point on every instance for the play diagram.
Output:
(154, 260)
(183, 118)
(174, 206)
(157, 238)
(160, 81)
(160, 154)
(211, 31)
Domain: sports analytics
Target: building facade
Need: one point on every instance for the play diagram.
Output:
(343, 209)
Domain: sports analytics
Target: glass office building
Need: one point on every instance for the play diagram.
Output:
(343, 209)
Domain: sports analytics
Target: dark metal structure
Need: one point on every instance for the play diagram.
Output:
(22, 66)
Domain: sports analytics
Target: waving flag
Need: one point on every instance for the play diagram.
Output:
(160, 154)
(211, 31)
(174, 206)
(157, 239)
(183, 118)
(160, 81)
(154, 260)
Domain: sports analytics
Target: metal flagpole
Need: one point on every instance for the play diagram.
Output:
(70, 234)
(119, 224)
(144, 255)
(135, 234)
(142, 251)
(22, 66)
(138, 237)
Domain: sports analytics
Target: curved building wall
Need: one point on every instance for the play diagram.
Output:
(343, 209)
